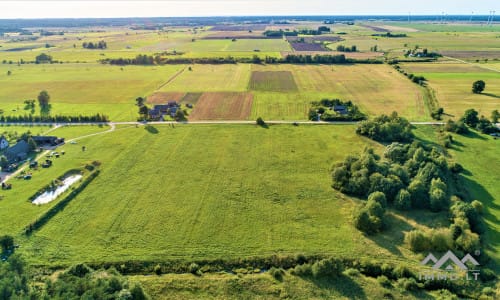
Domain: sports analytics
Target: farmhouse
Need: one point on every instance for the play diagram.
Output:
(4, 144)
(48, 141)
(17, 152)
(160, 110)
(340, 109)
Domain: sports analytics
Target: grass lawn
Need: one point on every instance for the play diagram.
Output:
(207, 197)
(453, 83)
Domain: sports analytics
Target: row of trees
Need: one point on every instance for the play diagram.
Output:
(289, 59)
(96, 45)
(342, 48)
(54, 119)
(471, 119)
(281, 33)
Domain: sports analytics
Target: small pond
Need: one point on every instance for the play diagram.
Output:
(52, 195)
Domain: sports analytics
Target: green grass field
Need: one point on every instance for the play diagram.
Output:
(210, 198)
(82, 89)
(452, 83)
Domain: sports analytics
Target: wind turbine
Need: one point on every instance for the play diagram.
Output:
(472, 14)
(492, 17)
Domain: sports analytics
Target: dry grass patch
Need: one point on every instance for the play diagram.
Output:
(223, 106)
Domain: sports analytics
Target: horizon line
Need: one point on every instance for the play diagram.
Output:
(242, 16)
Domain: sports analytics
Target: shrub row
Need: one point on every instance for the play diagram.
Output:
(53, 119)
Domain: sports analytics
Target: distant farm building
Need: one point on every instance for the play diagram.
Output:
(160, 110)
(340, 109)
(17, 152)
(48, 141)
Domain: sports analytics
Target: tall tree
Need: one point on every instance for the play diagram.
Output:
(495, 115)
(470, 117)
(478, 86)
(43, 99)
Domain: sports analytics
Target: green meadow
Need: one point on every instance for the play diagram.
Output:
(452, 83)
(209, 198)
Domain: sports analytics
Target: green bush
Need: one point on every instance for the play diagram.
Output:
(384, 281)
(478, 206)
(352, 272)
(468, 241)
(157, 269)
(276, 273)
(408, 284)
(402, 200)
(303, 270)
(402, 271)
(417, 240)
(378, 197)
(441, 240)
(79, 270)
(260, 122)
(327, 268)
(194, 268)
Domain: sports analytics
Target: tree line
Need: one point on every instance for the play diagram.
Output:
(291, 58)
(54, 119)
(96, 45)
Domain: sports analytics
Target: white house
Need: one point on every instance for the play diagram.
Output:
(4, 144)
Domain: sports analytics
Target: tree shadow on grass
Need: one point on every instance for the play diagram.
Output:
(491, 95)
(472, 134)
(342, 284)
(393, 235)
(151, 129)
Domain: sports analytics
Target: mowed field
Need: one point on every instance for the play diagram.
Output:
(197, 192)
(452, 83)
(81, 88)
(284, 92)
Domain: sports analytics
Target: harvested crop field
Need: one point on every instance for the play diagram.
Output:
(164, 97)
(252, 27)
(472, 54)
(275, 81)
(321, 38)
(223, 106)
(238, 35)
(297, 46)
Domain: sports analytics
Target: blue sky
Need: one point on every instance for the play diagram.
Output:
(171, 8)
